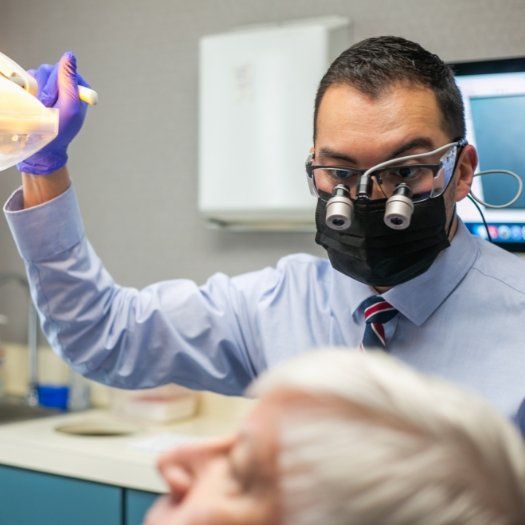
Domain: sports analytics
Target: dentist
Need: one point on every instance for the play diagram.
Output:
(388, 123)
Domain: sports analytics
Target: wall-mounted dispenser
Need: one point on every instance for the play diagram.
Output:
(257, 90)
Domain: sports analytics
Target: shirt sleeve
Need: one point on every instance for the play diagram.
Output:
(172, 331)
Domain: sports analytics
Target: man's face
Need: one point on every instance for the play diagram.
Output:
(224, 481)
(354, 130)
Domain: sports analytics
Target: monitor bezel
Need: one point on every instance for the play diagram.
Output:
(486, 67)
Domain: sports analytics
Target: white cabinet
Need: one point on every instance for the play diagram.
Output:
(257, 91)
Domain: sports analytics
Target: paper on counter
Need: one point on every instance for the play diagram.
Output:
(162, 442)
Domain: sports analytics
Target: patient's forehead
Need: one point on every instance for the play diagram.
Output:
(281, 402)
(262, 425)
(274, 405)
(276, 409)
(283, 408)
(273, 409)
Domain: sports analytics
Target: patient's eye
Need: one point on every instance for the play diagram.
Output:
(242, 462)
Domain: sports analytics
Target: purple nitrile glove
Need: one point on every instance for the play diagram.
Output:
(58, 88)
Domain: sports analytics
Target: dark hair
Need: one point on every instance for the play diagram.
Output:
(375, 64)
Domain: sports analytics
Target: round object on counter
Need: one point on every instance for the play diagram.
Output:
(98, 428)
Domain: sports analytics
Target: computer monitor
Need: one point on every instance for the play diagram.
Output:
(494, 97)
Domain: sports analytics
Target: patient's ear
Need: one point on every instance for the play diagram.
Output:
(467, 162)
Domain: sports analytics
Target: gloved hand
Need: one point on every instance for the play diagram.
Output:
(58, 88)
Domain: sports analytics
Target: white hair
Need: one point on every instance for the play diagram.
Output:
(381, 444)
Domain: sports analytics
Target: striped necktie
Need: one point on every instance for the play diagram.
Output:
(377, 312)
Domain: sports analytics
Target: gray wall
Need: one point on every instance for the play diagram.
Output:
(135, 162)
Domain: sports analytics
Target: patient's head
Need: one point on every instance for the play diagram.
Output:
(345, 438)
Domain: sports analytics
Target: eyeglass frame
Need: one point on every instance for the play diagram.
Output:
(459, 143)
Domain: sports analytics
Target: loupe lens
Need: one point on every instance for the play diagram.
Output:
(339, 209)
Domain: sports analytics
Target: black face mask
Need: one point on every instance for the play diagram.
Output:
(371, 252)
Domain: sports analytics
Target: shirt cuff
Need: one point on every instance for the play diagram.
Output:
(46, 230)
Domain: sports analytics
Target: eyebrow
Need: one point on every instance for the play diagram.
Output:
(328, 152)
(419, 142)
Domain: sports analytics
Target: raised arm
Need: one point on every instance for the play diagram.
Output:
(37, 189)
(169, 332)
(44, 175)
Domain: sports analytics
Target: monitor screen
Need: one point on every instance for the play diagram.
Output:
(494, 97)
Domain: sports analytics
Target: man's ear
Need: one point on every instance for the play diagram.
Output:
(465, 169)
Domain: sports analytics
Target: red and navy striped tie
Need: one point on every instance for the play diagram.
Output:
(377, 312)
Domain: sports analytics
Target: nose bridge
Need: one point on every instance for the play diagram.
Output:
(375, 189)
(211, 450)
(376, 192)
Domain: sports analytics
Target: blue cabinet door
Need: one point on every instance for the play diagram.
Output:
(137, 504)
(35, 498)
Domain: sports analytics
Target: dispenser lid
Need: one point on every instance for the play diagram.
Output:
(12, 71)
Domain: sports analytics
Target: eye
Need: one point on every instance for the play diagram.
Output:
(406, 173)
(241, 463)
(340, 174)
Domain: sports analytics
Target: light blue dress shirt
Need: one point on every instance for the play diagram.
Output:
(461, 320)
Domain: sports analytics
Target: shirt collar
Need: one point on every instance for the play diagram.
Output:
(418, 298)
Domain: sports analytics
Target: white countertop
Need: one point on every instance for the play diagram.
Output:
(126, 461)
